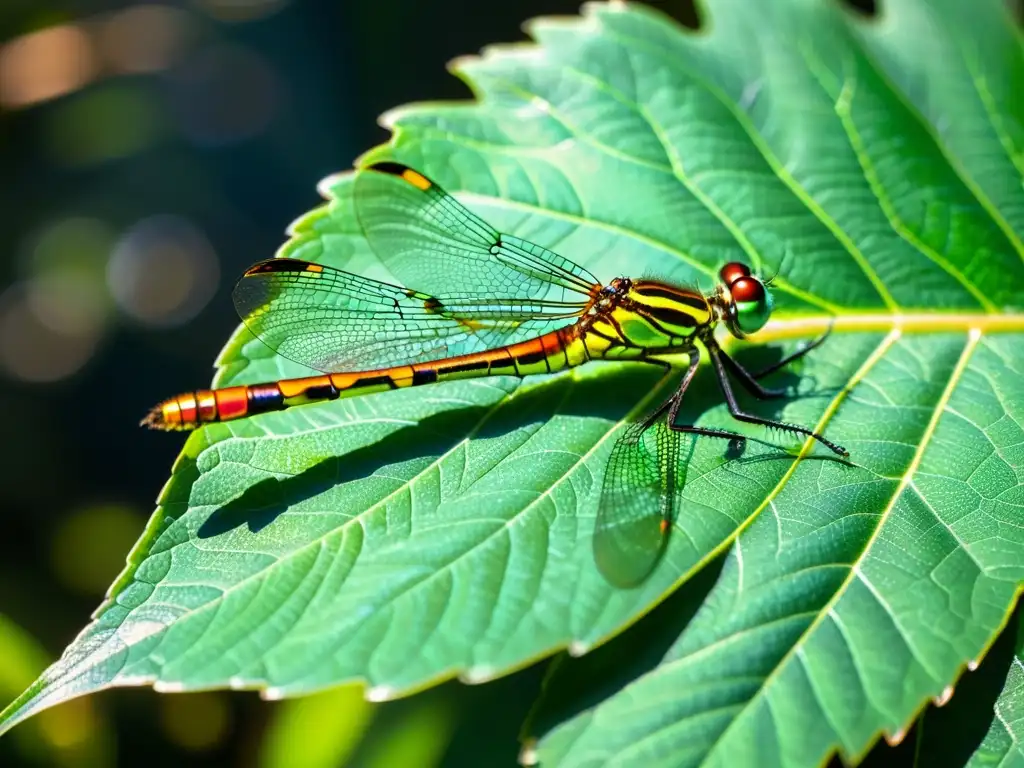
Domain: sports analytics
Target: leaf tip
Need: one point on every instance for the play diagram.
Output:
(578, 648)
(480, 673)
(459, 66)
(528, 754)
(379, 693)
(389, 118)
(168, 686)
(325, 188)
(944, 697)
(895, 738)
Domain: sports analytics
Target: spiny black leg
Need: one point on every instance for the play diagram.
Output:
(693, 430)
(748, 382)
(748, 379)
(656, 413)
(676, 400)
(734, 408)
(794, 356)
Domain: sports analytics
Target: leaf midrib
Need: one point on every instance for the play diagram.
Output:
(845, 318)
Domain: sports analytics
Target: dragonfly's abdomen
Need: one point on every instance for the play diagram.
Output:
(545, 354)
(193, 409)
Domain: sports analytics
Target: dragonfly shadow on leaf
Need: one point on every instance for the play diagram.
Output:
(262, 503)
(799, 385)
(512, 421)
(575, 684)
(645, 493)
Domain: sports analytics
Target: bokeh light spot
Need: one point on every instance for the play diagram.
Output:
(195, 721)
(33, 350)
(66, 262)
(106, 123)
(323, 729)
(89, 548)
(44, 65)
(143, 38)
(77, 242)
(67, 304)
(163, 272)
(225, 94)
(70, 734)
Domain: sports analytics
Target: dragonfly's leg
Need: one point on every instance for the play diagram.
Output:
(654, 415)
(747, 379)
(794, 356)
(676, 400)
(749, 383)
(737, 413)
(817, 342)
(694, 430)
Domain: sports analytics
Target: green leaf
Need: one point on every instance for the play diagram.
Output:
(420, 534)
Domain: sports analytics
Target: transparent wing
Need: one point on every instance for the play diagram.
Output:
(643, 483)
(335, 321)
(431, 242)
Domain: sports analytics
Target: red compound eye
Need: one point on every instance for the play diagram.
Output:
(747, 289)
(733, 271)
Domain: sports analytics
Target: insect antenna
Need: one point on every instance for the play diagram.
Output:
(778, 269)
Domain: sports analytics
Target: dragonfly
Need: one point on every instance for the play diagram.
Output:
(476, 302)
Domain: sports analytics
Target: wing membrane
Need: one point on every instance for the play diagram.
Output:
(335, 321)
(470, 288)
(642, 488)
(429, 241)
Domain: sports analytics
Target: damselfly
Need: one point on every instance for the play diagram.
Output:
(477, 302)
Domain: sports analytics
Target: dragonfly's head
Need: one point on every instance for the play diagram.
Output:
(743, 300)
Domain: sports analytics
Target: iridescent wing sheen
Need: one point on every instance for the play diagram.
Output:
(431, 242)
(640, 498)
(469, 287)
(335, 321)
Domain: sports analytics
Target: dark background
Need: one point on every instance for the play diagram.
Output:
(150, 153)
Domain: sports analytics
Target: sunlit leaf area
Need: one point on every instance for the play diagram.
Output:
(439, 575)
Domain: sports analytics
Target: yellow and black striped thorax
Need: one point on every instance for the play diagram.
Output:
(672, 310)
(645, 315)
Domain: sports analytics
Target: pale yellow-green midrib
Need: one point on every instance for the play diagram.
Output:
(909, 322)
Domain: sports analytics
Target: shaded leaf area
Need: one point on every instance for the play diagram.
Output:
(573, 684)
(416, 535)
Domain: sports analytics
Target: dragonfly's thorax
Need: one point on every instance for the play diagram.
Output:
(611, 295)
(720, 301)
(643, 316)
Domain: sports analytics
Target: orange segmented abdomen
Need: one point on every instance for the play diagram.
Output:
(194, 409)
(544, 354)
